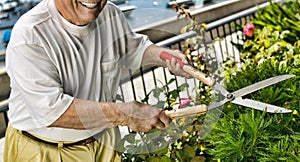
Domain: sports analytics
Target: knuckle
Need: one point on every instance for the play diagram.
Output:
(148, 128)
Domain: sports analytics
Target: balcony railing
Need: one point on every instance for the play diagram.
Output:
(220, 33)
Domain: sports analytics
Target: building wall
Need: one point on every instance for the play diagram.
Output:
(171, 27)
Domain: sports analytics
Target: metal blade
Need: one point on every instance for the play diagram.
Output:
(262, 84)
(217, 104)
(260, 106)
(220, 89)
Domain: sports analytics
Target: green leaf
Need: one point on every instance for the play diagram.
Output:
(183, 87)
(162, 152)
(153, 134)
(198, 159)
(188, 151)
(171, 81)
(160, 104)
(174, 94)
(156, 92)
(154, 159)
(130, 137)
(178, 155)
(165, 159)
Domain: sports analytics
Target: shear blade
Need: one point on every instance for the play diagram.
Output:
(260, 106)
(262, 84)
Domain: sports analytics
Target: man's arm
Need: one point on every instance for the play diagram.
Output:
(84, 114)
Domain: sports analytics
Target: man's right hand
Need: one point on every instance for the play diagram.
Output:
(143, 118)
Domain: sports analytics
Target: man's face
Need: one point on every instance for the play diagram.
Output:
(80, 12)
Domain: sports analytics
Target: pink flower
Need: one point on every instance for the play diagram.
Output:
(249, 30)
(184, 102)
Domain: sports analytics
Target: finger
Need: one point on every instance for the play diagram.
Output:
(144, 129)
(169, 66)
(164, 118)
(160, 125)
(177, 67)
(168, 63)
(178, 51)
(186, 75)
(161, 121)
(181, 56)
(173, 62)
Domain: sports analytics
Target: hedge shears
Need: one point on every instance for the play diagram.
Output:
(233, 97)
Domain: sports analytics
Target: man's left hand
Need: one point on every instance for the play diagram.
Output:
(174, 67)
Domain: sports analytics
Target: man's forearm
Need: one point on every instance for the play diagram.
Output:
(151, 56)
(84, 114)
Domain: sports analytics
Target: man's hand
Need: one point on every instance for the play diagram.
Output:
(174, 67)
(142, 117)
(151, 57)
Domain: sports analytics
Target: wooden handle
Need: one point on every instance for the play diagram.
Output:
(199, 75)
(185, 112)
(189, 69)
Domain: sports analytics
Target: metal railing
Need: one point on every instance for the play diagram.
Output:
(136, 85)
(218, 37)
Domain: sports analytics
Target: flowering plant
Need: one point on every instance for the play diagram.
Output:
(183, 102)
(244, 134)
(249, 30)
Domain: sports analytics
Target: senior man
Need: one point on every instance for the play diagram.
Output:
(64, 60)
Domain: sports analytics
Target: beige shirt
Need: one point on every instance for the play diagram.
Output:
(51, 61)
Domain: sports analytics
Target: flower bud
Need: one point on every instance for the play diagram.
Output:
(249, 30)
(184, 102)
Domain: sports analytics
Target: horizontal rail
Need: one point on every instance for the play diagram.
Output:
(233, 17)
(212, 25)
(176, 39)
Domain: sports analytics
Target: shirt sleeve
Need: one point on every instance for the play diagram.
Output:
(35, 80)
(135, 46)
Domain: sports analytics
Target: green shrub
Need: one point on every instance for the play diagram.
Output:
(241, 134)
(244, 134)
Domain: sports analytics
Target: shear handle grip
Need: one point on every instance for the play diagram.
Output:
(165, 56)
(189, 69)
(185, 112)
